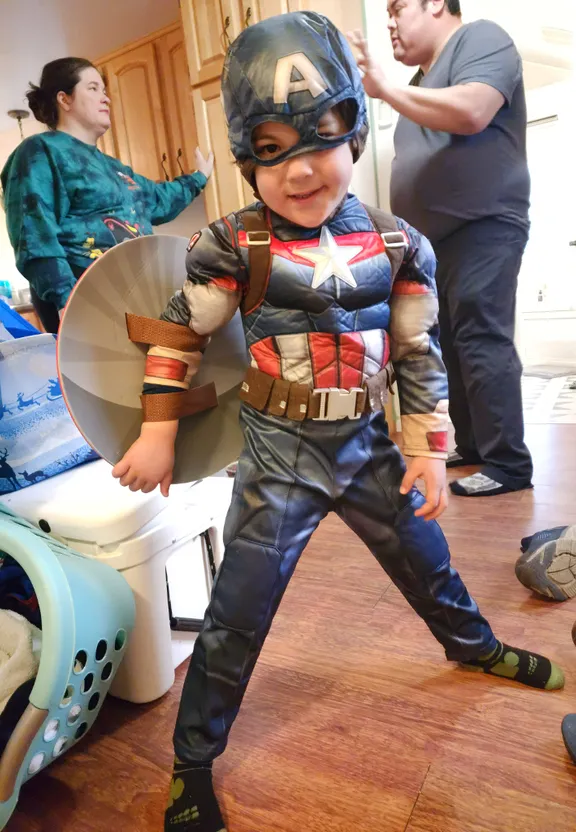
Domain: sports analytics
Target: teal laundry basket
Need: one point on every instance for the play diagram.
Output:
(87, 611)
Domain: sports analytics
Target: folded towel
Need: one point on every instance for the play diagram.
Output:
(20, 647)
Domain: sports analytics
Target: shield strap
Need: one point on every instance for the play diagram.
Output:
(165, 407)
(163, 334)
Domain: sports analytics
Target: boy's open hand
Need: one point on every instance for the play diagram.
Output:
(150, 460)
(433, 472)
(374, 78)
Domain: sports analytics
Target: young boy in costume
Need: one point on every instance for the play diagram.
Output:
(333, 295)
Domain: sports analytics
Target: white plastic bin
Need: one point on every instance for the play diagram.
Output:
(138, 534)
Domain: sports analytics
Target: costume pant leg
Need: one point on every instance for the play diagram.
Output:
(458, 401)
(282, 490)
(478, 276)
(414, 553)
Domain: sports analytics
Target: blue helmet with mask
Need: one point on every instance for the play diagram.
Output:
(292, 69)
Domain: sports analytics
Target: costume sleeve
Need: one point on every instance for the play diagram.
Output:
(415, 351)
(486, 54)
(214, 286)
(35, 199)
(166, 200)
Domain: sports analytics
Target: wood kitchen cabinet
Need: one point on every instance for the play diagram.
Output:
(178, 104)
(140, 134)
(153, 125)
(211, 25)
(255, 10)
(226, 190)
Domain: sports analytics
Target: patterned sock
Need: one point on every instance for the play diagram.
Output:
(521, 666)
(192, 806)
(478, 485)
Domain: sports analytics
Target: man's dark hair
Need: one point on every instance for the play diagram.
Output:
(453, 6)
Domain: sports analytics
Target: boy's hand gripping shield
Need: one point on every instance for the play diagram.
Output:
(102, 371)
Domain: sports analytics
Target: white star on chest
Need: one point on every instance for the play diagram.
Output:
(330, 260)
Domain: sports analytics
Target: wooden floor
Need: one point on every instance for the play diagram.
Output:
(353, 721)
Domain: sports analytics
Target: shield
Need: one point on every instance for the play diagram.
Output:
(101, 370)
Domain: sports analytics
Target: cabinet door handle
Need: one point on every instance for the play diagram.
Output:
(178, 157)
(165, 159)
(248, 17)
(225, 36)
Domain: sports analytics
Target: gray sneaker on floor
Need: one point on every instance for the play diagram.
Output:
(550, 569)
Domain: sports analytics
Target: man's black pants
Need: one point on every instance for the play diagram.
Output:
(477, 279)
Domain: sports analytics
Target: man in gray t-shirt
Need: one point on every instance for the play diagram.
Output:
(460, 176)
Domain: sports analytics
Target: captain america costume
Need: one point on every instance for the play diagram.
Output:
(327, 320)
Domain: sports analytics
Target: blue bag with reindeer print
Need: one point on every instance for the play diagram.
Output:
(38, 438)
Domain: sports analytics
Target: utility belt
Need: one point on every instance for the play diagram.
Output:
(299, 401)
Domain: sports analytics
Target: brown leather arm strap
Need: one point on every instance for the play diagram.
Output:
(164, 407)
(163, 334)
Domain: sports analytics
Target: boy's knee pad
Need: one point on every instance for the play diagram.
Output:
(246, 586)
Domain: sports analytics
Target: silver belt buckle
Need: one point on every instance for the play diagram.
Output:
(336, 403)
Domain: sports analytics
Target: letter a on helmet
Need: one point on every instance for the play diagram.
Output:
(292, 69)
(310, 78)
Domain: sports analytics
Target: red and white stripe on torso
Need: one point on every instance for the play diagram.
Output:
(321, 359)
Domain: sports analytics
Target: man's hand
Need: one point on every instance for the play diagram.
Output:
(374, 78)
(205, 166)
(150, 460)
(433, 472)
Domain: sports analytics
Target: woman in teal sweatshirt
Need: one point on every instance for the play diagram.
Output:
(66, 202)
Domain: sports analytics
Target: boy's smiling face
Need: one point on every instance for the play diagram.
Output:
(305, 189)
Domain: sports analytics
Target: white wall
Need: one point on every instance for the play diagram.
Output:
(548, 277)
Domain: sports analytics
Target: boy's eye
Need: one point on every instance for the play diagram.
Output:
(267, 151)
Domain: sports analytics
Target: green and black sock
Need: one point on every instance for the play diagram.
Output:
(192, 806)
(520, 666)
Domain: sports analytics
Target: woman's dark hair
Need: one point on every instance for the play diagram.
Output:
(61, 75)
